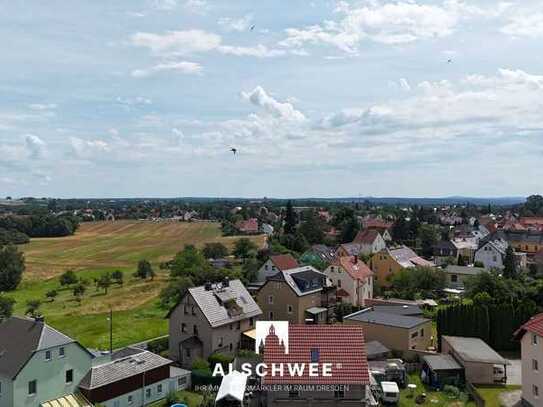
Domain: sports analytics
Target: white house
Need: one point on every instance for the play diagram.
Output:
(353, 278)
(370, 241)
(267, 229)
(276, 264)
(492, 254)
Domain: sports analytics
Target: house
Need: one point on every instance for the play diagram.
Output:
(538, 261)
(466, 248)
(248, 227)
(481, 363)
(532, 223)
(210, 318)
(340, 347)
(395, 331)
(348, 249)
(267, 229)
(390, 261)
(443, 251)
(280, 262)
(318, 253)
(441, 370)
(457, 275)
(530, 336)
(527, 241)
(492, 255)
(370, 240)
(380, 225)
(297, 295)
(132, 377)
(353, 277)
(39, 363)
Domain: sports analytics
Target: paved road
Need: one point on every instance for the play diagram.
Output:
(511, 399)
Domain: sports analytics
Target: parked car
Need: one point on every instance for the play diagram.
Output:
(390, 393)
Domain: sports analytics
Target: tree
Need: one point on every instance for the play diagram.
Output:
(79, 291)
(312, 228)
(215, 250)
(428, 238)
(32, 308)
(174, 291)
(104, 282)
(533, 205)
(12, 265)
(296, 242)
(482, 299)
(191, 263)
(418, 281)
(118, 277)
(144, 270)
(400, 230)
(509, 264)
(51, 295)
(250, 270)
(68, 278)
(290, 219)
(6, 307)
(349, 229)
(243, 248)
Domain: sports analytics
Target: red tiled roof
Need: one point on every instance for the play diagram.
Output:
(249, 225)
(342, 293)
(342, 346)
(534, 325)
(284, 262)
(366, 236)
(376, 224)
(355, 267)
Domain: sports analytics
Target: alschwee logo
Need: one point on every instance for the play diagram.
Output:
(266, 329)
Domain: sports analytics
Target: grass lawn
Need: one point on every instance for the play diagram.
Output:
(189, 398)
(442, 399)
(98, 247)
(491, 394)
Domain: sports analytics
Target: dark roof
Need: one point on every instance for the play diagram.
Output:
(20, 338)
(303, 280)
(472, 271)
(385, 318)
(326, 253)
(406, 310)
(473, 350)
(441, 362)
(444, 244)
(376, 348)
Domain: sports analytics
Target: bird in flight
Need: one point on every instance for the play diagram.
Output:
(234, 150)
(252, 27)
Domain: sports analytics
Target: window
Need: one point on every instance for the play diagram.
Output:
(414, 335)
(339, 283)
(251, 321)
(289, 309)
(181, 381)
(266, 267)
(332, 269)
(270, 315)
(147, 393)
(454, 278)
(61, 353)
(193, 310)
(32, 387)
(238, 325)
(339, 394)
(314, 355)
(185, 309)
(195, 330)
(270, 299)
(183, 327)
(130, 399)
(293, 394)
(422, 333)
(221, 340)
(187, 352)
(117, 403)
(48, 355)
(69, 376)
(534, 339)
(535, 390)
(231, 347)
(159, 388)
(535, 364)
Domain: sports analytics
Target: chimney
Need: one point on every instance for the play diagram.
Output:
(39, 318)
(355, 260)
(208, 286)
(226, 282)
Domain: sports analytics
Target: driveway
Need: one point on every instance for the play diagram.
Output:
(514, 372)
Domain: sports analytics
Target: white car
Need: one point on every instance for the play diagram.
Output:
(390, 392)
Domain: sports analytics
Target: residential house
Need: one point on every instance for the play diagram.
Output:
(538, 261)
(353, 279)
(267, 229)
(532, 223)
(492, 255)
(531, 344)
(280, 262)
(481, 363)
(39, 364)
(132, 377)
(248, 227)
(298, 295)
(383, 227)
(340, 347)
(370, 241)
(349, 249)
(457, 275)
(390, 261)
(318, 253)
(210, 318)
(443, 251)
(528, 242)
(466, 248)
(395, 331)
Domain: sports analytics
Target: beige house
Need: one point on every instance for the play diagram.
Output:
(370, 241)
(457, 275)
(395, 331)
(481, 363)
(353, 279)
(298, 295)
(531, 345)
(210, 318)
(275, 264)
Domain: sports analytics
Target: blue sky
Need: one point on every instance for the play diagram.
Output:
(321, 98)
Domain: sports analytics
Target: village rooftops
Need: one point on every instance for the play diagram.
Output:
(124, 364)
(355, 267)
(385, 318)
(303, 280)
(408, 258)
(366, 236)
(474, 350)
(406, 310)
(284, 262)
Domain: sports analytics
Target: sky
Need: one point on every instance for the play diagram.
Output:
(145, 98)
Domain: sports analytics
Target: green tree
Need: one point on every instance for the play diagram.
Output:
(244, 248)
(509, 264)
(104, 282)
(51, 295)
(118, 277)
(79, 291)
(533, 205)
(312, 228)
(215, 250)
(33, 308)
(6, 307)
(400, 230)
(12, 266)
(250, 270)
(428, 238)
(171, 295)
(68, 278)
(191, 263)
(349, 229)
(290, 219)
(144, 270)
(482, 299)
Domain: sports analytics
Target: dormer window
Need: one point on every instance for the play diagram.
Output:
(314, 355)
(47, 355)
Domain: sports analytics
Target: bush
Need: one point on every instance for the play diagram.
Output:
(451, 391)
(221, 358)
(158, 345)
(200, 364)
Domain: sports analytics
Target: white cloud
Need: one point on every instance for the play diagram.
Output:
(35, 146)
(196, 6)
(259, 97)
(405, 85)
(42, 106)
(525, 24)
(259, 51)
(177, 42)
(183, 67)
(236, 24)
(165, 5)
(87, 149)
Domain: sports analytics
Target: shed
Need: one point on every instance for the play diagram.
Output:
(376, 350)
(440, 370)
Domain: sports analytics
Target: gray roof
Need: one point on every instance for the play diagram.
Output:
(303, 280)
(121, 368)
(20, 338)
(472, 271)
(407, 310)
(441, 362)
(385, 318)
(474, 350)
(216, 311)
(376, 348)
(352, 249)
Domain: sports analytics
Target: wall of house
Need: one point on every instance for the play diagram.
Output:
(490, 257)
(384, 267)
(6, 393)
(267, 270)
(460, 280)
(341, 279)
(531, 377)
(50, 375)
(324, 398)
(396, 338)
(527, 247)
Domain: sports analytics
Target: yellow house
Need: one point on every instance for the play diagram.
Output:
(388, 262)
(527, 242)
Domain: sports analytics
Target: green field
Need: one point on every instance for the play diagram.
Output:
(106, 246)
(433, 398)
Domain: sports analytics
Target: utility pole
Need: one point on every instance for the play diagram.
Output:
(110, 332)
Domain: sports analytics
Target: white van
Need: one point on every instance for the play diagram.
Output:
(390, 392)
